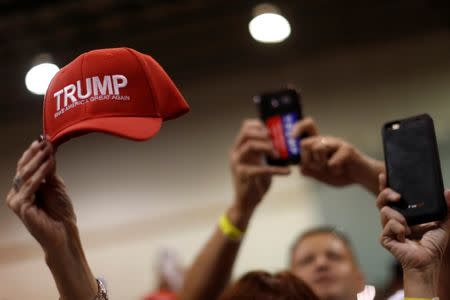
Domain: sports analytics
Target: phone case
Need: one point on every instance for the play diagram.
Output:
(413, 169)
(279, 111)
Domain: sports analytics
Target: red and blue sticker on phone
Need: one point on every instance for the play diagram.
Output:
(280, 127)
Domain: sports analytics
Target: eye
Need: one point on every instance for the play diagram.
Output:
(305, 260)
(334, 256)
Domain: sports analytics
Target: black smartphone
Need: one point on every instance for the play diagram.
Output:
(280, 110)
(413, 169)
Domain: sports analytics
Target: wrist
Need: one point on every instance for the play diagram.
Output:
(365, 171)
(65, 256)
(67, 251)
(239, 215)
(71, 271)
(420, 283)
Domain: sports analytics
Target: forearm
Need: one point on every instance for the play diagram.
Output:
(366, 173)
(420, 284)
(71, 272)
(211, 270)
(444, 275)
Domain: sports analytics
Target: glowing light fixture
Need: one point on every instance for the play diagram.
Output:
(38, 77)
(268, 25)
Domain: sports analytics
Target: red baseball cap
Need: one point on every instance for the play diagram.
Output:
(119, 91)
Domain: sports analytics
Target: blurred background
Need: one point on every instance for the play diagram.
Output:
(357, 63)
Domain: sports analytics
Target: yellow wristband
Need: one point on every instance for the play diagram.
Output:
(228, 229)
(408, 298)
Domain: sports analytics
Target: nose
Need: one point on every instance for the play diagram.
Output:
(321, 263)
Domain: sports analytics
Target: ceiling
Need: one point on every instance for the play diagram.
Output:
(192, 35)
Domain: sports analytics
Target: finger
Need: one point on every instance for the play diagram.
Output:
(33, 164)
(32, 184)
(21, 211)
(447, 197)
(30, 153)
(307, 126)
(252, 171)
(419, 230)
(387, 196)
(381, 181)
(12, 194)
(395, 230)
(305, 156)
(254, 147)
(338, 158)
(307, 153)
(260, 134)
(387, 213)
(446, 224)
(18, 199)
(319, 154)
(254, 126)
(324, 151)
(52, 178)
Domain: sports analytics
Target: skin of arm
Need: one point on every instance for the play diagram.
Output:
(39, 199)
(210, 273)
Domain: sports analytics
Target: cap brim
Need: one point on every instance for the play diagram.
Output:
(134, 128)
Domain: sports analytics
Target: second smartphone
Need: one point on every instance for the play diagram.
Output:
(413, 169)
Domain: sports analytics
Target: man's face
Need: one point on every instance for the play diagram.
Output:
(326, 264)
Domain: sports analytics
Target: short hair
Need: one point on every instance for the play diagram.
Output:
(261, 285)
(321, 230)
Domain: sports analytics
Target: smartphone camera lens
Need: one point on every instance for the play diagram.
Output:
(275, 102)
(285, 100)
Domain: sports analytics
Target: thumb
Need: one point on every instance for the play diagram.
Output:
(338, 159)
(307, 126)
(447, 197)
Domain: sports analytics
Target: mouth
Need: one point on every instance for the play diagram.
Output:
(324, 279)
